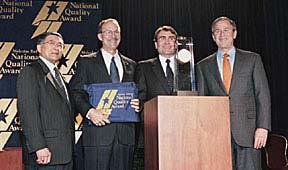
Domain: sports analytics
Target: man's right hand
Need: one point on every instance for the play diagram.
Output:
(97, 116)
(43, 156)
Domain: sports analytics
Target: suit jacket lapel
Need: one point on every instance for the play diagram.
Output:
(47, 72)
(157, 69)
(215, 72)
(51, 79)
(127, 70)
(238, 64)
(100, 66)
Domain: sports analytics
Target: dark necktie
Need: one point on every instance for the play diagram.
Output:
(114, 74)
(227, 75)
(58, 78)
(60, 85)
(169, 76)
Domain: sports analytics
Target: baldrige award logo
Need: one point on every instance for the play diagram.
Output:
(9, 122)
(114, 99)
(106, 101)
(54, 13)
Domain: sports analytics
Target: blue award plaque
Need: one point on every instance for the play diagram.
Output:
(114, 99)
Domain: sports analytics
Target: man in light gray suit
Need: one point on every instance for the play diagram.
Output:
(248, 91)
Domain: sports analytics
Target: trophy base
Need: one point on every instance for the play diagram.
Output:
(186, 93)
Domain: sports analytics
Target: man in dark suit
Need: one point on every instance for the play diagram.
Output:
(152, 76)
(106, 145)
(240, 75)
(44, 109)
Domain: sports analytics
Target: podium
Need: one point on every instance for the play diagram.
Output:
(187, 133)
(11, 159)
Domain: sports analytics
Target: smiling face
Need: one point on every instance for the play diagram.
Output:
(224, 34)
(110, 36)
(51, 48)
(165, 43)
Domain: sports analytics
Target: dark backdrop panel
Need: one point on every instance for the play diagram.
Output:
(262, 28)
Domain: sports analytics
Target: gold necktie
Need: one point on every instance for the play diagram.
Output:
(226, 72)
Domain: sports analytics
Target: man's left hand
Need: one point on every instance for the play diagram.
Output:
(260, 138)
(135, 104)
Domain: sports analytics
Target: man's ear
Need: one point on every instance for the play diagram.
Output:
(99, 35)
(235, 34)
(213, 37)
(38, 48)
(155, 43)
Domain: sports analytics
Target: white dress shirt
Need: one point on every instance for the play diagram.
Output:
(107, 59)
(51, 67)
(164, 64)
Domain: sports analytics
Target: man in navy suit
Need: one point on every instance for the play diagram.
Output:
(44, 109)
(107, 146)
(240, 75)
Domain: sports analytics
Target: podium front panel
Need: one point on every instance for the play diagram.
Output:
(187, 132)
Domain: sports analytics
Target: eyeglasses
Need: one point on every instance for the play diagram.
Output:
(54, 44)
(224, 31)
(164, 38)
(110, 33)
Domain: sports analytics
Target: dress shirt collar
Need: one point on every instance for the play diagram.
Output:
(107, 59)
(50, 65)
(163, 62)
(231, 52)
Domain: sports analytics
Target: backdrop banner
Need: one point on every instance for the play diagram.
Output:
(21, 21)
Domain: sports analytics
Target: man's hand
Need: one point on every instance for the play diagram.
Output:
(97, 116)
(43, 156)
(260, 138)
(135, 104)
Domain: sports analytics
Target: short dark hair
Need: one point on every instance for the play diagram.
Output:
(223, 18)
(164, 28)
(42, 37)
(101, 23)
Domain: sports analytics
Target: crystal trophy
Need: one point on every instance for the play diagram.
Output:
(184, 79)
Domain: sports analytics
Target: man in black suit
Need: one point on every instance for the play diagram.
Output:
(44, 109)
(240, 75)
(152, 76)
(106, 145)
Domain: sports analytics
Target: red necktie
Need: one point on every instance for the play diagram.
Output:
(226, 72)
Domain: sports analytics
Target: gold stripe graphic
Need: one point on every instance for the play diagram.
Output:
(5, 50)
(54, 27)
(4, 137)
(43, 26)
(46, 26)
